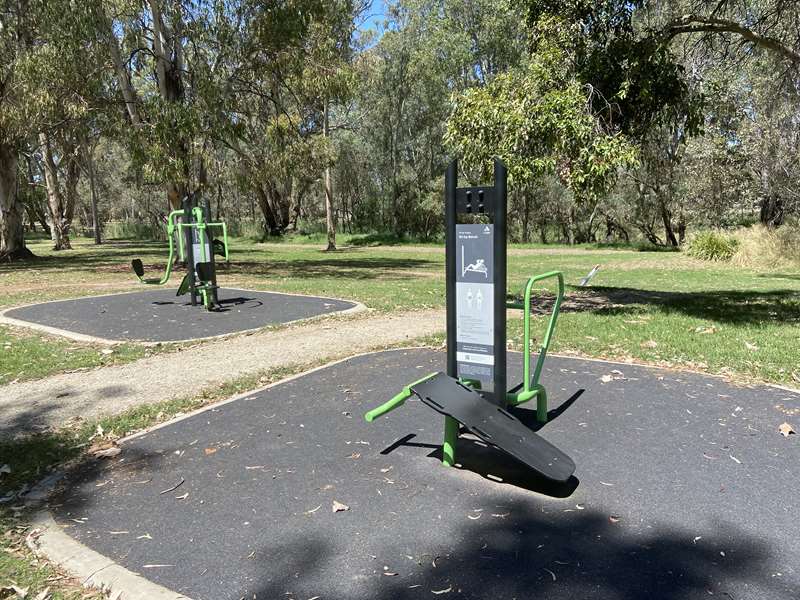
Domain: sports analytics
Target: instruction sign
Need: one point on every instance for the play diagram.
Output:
(201, 249)
(475, 301)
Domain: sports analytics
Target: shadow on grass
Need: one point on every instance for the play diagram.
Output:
(724, 306)
(360, 268)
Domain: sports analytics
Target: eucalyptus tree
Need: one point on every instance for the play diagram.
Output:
(18, 29)
(428, 50)
(46, 81)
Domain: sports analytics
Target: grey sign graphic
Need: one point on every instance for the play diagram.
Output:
(475, 301)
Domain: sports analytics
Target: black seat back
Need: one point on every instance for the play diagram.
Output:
(138, 267)
(205, 272)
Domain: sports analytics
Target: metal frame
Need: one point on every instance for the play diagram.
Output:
(192, 222)
(491, 201)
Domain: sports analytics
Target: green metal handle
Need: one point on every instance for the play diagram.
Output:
(550, 327)
(395, 402)
(170, 231)
(224, 236)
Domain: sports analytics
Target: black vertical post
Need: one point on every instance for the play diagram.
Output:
(450, 184)
(499, 219)
(189, 235)
(211, 259)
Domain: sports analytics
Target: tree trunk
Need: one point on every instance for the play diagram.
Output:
(666, 219)
(526, 216)
(169, 67)
(72, 175)
(12, 233)
(771, 207)
(89, 158)
(271, 226)
(571, 226)
(59, 223)
(329, 221)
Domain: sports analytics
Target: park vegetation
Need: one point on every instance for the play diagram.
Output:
(620, 121)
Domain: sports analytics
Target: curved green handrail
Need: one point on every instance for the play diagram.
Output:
(171, 226)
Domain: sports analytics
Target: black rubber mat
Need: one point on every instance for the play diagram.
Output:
(687, 491)
(158, 315)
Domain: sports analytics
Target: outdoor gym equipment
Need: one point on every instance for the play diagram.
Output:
(473, 392)
(197, 247)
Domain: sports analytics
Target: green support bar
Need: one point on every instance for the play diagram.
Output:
(395, 402)
(531, 388)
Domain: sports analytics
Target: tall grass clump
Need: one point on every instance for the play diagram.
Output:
(133, 230)
(712, 245)
(760, 246)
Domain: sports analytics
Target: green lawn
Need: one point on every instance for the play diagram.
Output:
(658, 307)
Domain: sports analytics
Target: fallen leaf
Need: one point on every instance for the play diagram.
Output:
(210, 451)
(20, 592)
(786, 429)
(705, 330)
(338, 506)
(614, 518)
(751, 347)
(109, 452)
(447, 590)
(649, 344)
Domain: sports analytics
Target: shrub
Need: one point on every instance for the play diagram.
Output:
(133, 230)
(712, 245)
(760, 246)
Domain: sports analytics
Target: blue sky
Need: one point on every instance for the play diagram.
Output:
(376, 15)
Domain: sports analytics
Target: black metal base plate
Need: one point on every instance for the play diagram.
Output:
(494, 425)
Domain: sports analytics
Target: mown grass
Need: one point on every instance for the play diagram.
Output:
(658, 307)
(27, 355)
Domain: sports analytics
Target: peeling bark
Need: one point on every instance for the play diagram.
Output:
(12, 233)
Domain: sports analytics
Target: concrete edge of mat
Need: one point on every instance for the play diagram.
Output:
(78, 337)
(48, 540)
(82, 337)
(252, 392)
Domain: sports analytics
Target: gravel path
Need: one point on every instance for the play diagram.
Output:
(50, 402)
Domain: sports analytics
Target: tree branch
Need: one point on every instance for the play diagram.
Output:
(700, 24)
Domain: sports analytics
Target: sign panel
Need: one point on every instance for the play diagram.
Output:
(475, 301)
(201, 249)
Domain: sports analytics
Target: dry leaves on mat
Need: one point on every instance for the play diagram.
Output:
(339, 507)
(786, 430)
